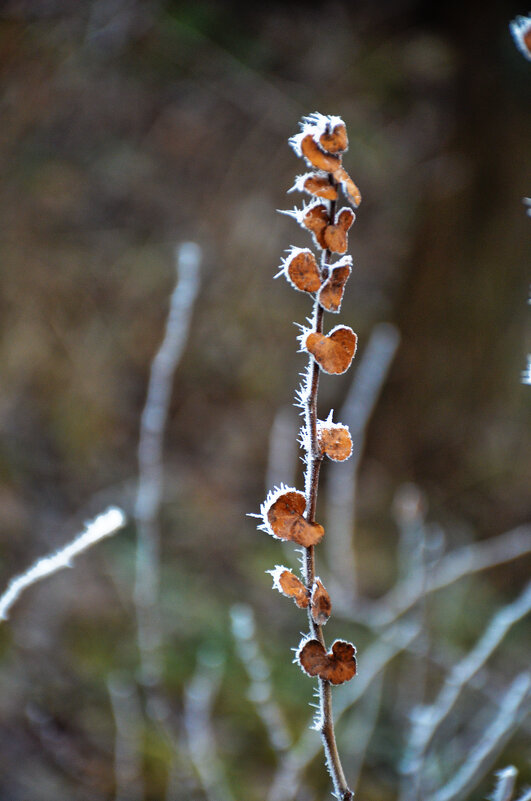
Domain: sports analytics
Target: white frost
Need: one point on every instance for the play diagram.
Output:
(103, 526)
(520, 28)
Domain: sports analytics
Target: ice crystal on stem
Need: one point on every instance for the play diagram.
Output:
(287, 513)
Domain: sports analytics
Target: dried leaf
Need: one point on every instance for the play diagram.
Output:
(331, 292)
(336, 667)
(336, 141)
(285, 520)
(320, 186)
(335, 236)
(302, 271)
(316, 219)
(333, 352)
(348, 186)
(317, 157)
(321, 604)
(334, 440)
(290, 586)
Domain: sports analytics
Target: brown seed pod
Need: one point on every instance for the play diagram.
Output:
(337, 666)
(316, 219)
(336, 141)
(289, 585)
(335, 236)
(331, 292)
(301, 269)
(283, 517)
(333, 352)
(317, 157)
(320, 186)
(334, 440)
(321, 605)
(348, 186)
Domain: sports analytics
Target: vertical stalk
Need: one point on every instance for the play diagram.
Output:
(314, 460)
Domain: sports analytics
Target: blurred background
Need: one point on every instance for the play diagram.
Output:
(129, 128)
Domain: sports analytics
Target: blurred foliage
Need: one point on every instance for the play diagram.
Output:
(128, 127)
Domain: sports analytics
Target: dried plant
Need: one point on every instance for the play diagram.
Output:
(288, 514)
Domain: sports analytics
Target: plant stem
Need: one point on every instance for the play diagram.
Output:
(314, 460)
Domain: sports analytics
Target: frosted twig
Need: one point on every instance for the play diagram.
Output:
(526, 372)
(362, 734)
(260, 690)
(506, 780)
(127, 742)
(513, 705)
(342, 478)
(409, 508)
(375, 659)
(198, 700)
(452, 567)
(428, 719)
(102, 526)
(151, 471)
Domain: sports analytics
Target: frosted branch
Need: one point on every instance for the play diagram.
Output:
(103, 526)
(513, 706)
(452, 567)
(361, 734)
(151, 470)
(260, 691)
(342, 478)
(199, 697)
(506, 780)
(373, 662)
(127, 740)
(428, 719)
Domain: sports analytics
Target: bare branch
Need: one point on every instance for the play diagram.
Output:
(127, 741)
(103, 526)
(342, 479)
(506, 781)
(512, 707)
(260, 690)
(199, 697)
(151, 471)
(428, 719)
(456, 565)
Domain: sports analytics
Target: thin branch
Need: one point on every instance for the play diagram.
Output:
(428, 719)
(314, 459)
(199, 697)
(512, 707)
(260, 690)
(506, 782)
(103, 526)
(151, 471)
(456, 565)
(128, 723)
(342, 478)
(374, 661)
(361, 735)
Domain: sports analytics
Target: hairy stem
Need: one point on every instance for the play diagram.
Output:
(314, 459)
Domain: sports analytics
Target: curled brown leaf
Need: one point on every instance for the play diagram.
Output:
(333, 352)
(337, 666)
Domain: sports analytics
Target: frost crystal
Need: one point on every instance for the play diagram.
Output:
(272, 496)
(521, 31)
(315, 124)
